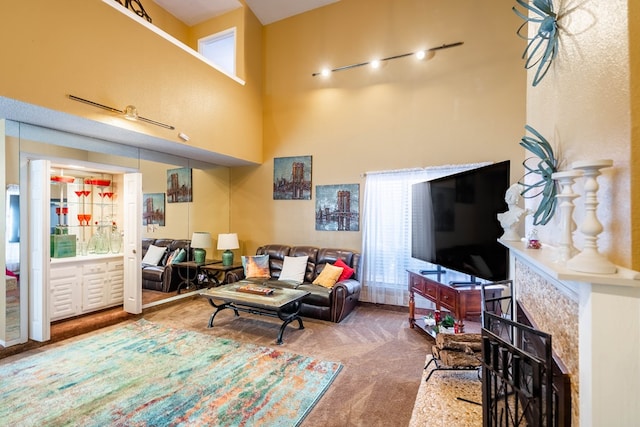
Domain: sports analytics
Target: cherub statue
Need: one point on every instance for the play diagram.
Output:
(510, 219)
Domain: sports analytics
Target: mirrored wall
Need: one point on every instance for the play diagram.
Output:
(178, 209)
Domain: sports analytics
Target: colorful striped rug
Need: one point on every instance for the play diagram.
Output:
(145, 374)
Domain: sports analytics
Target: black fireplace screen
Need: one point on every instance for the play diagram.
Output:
(519, 377)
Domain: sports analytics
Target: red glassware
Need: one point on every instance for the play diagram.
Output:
(81, 218)
(79, 193)
(87, 192)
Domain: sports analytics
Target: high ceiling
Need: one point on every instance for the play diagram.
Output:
(192, 12)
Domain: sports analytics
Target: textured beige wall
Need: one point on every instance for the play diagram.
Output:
(467, 104)
(91, 50)
(582, 108)
(634, 63)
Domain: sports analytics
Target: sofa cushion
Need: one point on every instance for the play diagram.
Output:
(347, 271)
(180, 256)
(256, 266)
(328, 276)
(318, 295)
(153, 273)
(276, 257)
(294, 268)
(154, 255)
(312, 253)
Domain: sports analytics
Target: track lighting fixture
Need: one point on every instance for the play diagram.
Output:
(130, 112)
(377, 62)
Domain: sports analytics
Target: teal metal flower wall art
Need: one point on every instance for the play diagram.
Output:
(542, 166)
(543, 46)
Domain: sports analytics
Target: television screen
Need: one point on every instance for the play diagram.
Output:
(455, 224)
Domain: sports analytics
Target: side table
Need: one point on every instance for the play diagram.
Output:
(187, 281)
(216, 273)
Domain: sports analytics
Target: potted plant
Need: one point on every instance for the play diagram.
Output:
(447, 324)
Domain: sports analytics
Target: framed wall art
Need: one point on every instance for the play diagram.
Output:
(292, 178)
(338, 207)
(153, 208)
(179, 187)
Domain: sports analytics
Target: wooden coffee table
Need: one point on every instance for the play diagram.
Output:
(282, 303)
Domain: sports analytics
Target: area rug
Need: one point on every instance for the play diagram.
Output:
(146, 374)
(448, 399)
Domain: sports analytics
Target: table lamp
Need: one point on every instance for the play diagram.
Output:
(226, 242)
(199, 241)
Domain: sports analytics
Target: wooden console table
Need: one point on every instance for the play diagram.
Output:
(464, 302)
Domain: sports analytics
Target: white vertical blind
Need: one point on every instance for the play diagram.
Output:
(386, 231)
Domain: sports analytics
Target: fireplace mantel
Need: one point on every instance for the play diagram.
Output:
(545, 260)
(584, 313)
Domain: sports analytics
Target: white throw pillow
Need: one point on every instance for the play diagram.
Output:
(294, 268)
(154, 255)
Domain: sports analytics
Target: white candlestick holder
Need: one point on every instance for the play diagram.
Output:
(589, 260)
(565, 179)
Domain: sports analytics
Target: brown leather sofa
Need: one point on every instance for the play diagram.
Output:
(163, 277)
(323, 303)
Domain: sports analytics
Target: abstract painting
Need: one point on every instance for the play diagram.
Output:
(338, 207)
(292, 178)
(153, 209)
(179, 185)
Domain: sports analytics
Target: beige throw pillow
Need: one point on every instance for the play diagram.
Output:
(328, 276)
(294, 268)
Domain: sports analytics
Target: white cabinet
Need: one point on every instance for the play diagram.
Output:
(65, 292)
(115, 288)
(94, 286)
(83, 284)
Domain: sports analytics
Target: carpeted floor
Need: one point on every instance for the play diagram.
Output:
(382, 357)
(448, 399)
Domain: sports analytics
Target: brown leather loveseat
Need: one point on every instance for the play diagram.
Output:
(332, 304)
(163, 276)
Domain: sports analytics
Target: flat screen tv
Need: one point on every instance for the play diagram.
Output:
(455, 224)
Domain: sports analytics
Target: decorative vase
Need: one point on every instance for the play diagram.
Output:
(99, 242)
(589, 260)
(115, 240)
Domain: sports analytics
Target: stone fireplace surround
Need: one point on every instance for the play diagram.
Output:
(594, 321)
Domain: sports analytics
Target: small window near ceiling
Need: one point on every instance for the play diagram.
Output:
(220, 48)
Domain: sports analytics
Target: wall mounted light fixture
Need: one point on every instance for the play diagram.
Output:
(130, 112)
(377, 62)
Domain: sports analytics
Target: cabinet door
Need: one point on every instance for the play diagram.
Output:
(65, 292)
(115, 291)
(94, 294)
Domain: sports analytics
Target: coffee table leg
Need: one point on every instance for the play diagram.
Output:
(219, 308)
(288, 318)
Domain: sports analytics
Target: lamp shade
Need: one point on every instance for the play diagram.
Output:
(228, 241)
(201, 239)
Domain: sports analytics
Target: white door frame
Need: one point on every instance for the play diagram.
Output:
(132, 245)
(38, 241)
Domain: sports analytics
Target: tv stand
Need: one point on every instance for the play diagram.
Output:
(464, 302)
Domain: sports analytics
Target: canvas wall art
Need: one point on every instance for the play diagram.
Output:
(153, 209)
(292, 178)
(179, 187)
(338, 207)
